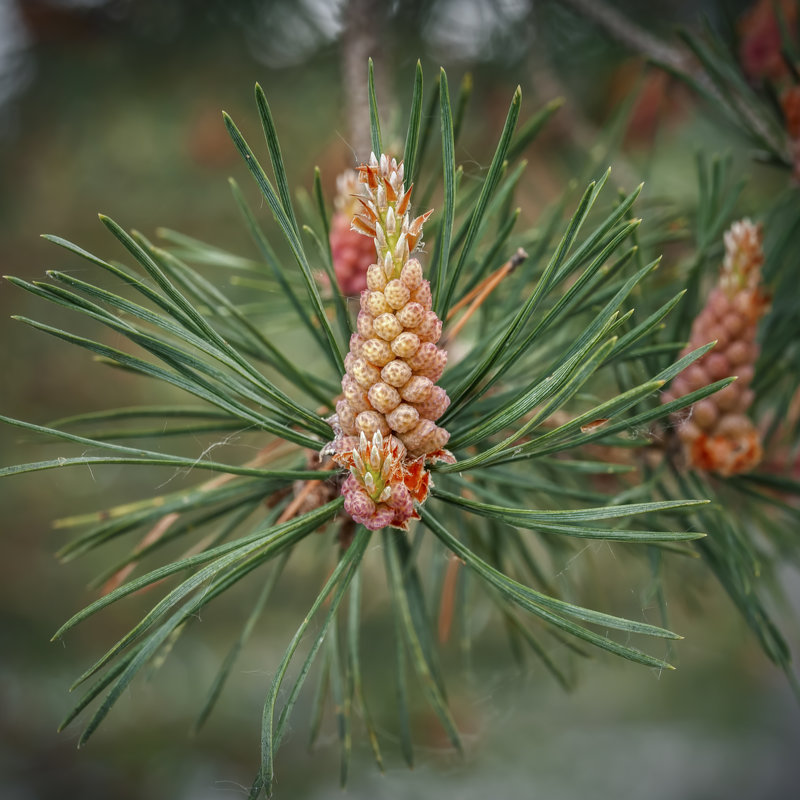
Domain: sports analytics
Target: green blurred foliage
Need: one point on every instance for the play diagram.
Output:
(121, 115)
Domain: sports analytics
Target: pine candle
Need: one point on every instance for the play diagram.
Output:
(386, 420)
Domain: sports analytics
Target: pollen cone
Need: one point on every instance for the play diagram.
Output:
(718, 436)
(393, 365)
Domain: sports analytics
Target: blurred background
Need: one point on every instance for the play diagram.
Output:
(114, 106)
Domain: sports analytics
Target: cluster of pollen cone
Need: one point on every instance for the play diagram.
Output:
(385, 421)
(718, 436)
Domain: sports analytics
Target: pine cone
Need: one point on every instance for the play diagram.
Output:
(718, 436)
(389, 392)
(351, 252)
(760, 45)
(393, 361)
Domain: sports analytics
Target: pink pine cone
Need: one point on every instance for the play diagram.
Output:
(352, 254)
(389, 397)
(393, 362)
(718, 436)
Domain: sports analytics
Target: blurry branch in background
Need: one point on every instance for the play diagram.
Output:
(691, 67)
(572, 125)
(16, 69)
(628, 33)
(361, 41)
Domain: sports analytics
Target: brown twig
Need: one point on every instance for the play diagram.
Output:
(448, 601)
(297, 502)
(448, 598)
(680, 61)
(620, 28)
(472, 294)
(479, 294)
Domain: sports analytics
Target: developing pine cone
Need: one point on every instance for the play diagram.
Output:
(718, 436)
(389, 388)
(351, 252)
(760, 48)
(383, 484)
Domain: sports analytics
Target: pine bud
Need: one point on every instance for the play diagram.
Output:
(718, 436)
(389, 392)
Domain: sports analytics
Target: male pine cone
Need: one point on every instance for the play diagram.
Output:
(394, 363)
(385, 422)
(719, 436)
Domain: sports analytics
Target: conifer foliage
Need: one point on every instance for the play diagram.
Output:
(480, 461)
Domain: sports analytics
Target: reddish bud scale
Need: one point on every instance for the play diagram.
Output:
(351, 252)
(389, 392)
(718, 436)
